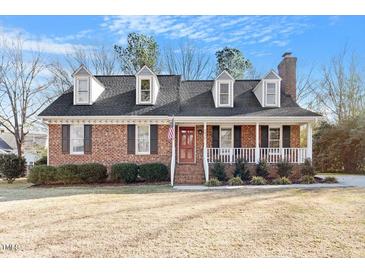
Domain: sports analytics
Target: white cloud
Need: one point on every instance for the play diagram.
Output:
(45, 44)
(214, 30)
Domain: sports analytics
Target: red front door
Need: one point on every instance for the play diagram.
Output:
(186, 145)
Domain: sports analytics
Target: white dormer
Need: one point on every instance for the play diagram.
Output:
(147, 87)
(267, 90)
(86, 87)
(223, 90)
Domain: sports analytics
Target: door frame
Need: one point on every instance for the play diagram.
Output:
(178, 143)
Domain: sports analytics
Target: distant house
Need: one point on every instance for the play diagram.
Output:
(4, 147)
(127, 118)
(34, 141)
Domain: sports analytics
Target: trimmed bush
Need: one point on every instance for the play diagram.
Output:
(68, 174)
(124, 172)
(281, 181)
(284, 168)
(242, 170)
(213, 182)
(258, 180)
(92, 172)
(41, 161)
(42, 174)
(218, 171)
(262, 169)
(154, 172)
(330, 180)
(235, 181)
(307, 168)
(307, 179)
(11, 166)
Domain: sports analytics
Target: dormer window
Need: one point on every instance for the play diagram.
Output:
(224, 94)
(145, 93)
(147, 87)
(271, 94)
(223, 90)
(83, 90)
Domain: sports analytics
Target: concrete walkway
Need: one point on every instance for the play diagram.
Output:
(344, 181)
(348, 180)
(298, 186)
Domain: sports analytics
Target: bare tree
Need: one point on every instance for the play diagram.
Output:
(98, 60)
(341, 90)
(188, 61)
(24, 83)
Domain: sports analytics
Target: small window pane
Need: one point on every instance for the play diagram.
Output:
(226, 138)
(271, 99)
(224, 94)
(271, 88)
(82, 97)
(143, 139)
(83, 85)
(274, 137)
(145, 95)
(77, 138)
(145, 84)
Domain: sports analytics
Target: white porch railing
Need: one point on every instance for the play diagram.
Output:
(271, 155)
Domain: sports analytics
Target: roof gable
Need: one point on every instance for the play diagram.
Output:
(224, 75)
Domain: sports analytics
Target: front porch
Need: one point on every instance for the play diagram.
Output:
(197, 146)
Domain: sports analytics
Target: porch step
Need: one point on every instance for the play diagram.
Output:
(189, 174)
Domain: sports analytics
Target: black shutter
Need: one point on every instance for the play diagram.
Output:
(65, 139)
(286, 136)
(264, 136)
(237, 137)
(131, 139)
(215, 135)
(154, 139)
(87, 139)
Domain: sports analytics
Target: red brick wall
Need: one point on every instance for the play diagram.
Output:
(295, 136)
(248, 136)
(109, 146)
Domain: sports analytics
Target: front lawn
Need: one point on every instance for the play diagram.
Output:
(156, 221)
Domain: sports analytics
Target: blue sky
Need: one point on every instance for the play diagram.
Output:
(263, 39)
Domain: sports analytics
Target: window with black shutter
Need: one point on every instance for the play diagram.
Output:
(65, 136)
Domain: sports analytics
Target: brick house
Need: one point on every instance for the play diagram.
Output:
(126, 118)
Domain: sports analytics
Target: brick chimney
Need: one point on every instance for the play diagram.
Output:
(288, 73)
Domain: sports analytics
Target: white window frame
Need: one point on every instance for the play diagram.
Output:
(280, 136)
(77, 79)
(229, 83)
(140, 79)
(137, 139)
(226, 150)
(83, 138)
(276, 83)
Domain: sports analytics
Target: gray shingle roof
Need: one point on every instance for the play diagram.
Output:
(4, 145)
(180, 98)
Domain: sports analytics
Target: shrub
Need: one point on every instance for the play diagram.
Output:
(307, 168)
(242, 170)
(11, 166)
(92, 172)
(124, 172)
(235, 181)
(41, 161)
(68, 174)
(282, 181)
(284, 168)
(262, 169)
(42, 174)
(330, 180)
(213, 182)
(258, 180)
(154, 172)
(218, 171)
(307, 179)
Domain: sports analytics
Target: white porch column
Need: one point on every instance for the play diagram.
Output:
(257, 150)
(309, 141)
(205, 156)
(173, 155)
